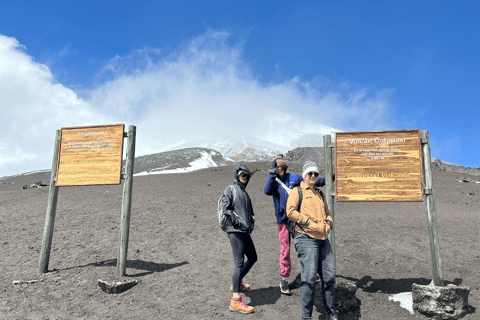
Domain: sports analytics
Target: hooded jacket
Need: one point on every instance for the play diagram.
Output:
(242, 205)
(280, 195)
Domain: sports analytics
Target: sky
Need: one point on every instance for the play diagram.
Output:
(182, 70)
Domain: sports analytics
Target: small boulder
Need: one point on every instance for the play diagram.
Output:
(446, 303)
(345, 299)
(116, 287)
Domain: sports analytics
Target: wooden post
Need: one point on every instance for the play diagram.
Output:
(51, 209)
(330, 193)
(431, 212)
(126, 203)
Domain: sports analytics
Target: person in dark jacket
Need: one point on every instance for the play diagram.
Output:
(239, 226)
(277, 191)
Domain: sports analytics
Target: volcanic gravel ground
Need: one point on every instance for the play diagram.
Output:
(183, 261)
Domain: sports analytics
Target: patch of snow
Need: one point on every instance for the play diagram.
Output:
(205, 161)
(405, 299)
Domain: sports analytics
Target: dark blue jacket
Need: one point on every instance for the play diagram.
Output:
(280, 195)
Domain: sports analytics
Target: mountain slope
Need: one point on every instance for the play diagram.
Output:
(175, 161)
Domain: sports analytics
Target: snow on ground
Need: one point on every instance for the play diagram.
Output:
(405, 299)
(205, 161)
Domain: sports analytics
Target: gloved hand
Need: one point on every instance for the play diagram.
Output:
(273, 168)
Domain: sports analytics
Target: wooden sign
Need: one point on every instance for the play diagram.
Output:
(90, 155)
(378, 166)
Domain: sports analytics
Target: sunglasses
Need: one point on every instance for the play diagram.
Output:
(243, 175)
(313, 174)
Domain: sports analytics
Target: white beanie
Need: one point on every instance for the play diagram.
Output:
(309, 166)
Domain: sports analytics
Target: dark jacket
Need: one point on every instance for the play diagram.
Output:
(280, 195)
(242, 205)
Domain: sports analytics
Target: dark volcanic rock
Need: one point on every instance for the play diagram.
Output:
(446, 303)
(300, 155)
(176, 159)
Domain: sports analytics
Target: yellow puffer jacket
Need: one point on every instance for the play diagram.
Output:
(315, 207)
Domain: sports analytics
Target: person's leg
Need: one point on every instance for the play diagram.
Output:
(308, 252)
(240, 246)
(238, 249)
(250, 252)
(326, 267)
(285, 263)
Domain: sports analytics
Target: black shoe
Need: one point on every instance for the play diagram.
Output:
(284, 288)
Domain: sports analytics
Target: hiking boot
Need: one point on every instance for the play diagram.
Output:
(284, 287)
(237, 305)
(333, 316)
(243, 287)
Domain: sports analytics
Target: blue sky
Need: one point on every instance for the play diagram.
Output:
(179, 69)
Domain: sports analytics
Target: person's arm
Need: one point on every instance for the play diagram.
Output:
(227, 201)
(269, 185)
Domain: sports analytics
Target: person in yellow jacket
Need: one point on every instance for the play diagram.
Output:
(314, 223)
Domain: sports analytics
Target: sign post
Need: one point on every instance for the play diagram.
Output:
(431, 211)
(385, 166)
(126, 203)
(51, 209)
(90, 155)
(330, 192)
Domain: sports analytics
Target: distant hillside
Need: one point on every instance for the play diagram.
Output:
(191, 159)
(183, 160)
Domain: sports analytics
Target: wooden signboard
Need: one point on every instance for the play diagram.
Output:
(378, 166)
(90, 155)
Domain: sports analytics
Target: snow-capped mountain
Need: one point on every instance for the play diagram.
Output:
(247, 148)
(239, 148)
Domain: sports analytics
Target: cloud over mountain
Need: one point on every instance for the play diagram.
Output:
(203, 88)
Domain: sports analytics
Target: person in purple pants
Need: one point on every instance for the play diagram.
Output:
(274, 188)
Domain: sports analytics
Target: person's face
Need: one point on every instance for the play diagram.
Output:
(243, 178)
(311, 177)
(281, 171)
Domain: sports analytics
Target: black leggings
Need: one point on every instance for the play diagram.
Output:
(242, 244)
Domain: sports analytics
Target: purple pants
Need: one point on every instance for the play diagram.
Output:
(285, 264)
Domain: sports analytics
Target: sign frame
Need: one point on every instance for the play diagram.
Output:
(379, 166)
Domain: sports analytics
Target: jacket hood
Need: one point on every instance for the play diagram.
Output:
(238, 170)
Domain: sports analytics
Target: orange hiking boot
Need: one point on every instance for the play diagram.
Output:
(243, 287)
(237, 305)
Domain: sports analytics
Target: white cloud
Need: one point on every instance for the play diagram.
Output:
(32, 108)
(207, 88)
(204, 88)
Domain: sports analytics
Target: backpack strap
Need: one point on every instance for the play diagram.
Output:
(283, 185)
(300, 197)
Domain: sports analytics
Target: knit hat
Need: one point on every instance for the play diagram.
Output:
(309, 166)
(279, 159)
